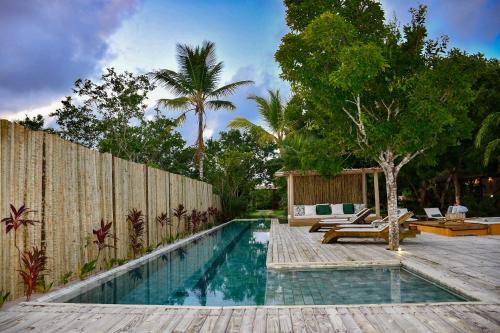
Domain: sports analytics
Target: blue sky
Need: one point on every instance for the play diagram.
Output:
(45, 45)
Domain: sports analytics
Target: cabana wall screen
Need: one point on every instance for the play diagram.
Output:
(72, 188)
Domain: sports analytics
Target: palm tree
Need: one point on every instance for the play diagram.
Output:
(272, 111)
(490, 123)
(195, 86)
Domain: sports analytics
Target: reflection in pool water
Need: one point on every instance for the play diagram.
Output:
(228, 267)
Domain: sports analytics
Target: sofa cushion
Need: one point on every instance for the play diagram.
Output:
(359, 207)
(309, 210)
(299, 210)
(337, 209)
(348, 208)
(323, 209)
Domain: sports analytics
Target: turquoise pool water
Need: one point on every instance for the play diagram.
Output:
(228, 267)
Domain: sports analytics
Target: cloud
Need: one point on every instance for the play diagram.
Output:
(468, 23)
(46, 45)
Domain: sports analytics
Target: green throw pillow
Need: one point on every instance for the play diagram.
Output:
(323, 210)
(348, 208)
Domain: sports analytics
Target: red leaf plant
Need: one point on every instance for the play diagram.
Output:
(204, 218)
(17, 218)
(136, 220)
(212, 211)
(179, 212)
(194, 220)
(101, 235)
(34, 262)
(164, 220)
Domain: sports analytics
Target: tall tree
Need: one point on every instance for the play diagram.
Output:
(373, 91)
(104, 110)
(195, 86)
(273, 112)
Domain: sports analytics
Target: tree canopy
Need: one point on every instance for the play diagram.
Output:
(371, 91)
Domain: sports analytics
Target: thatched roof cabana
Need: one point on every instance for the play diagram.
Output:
(309, 188)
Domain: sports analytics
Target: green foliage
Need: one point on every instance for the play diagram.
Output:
(44, 287)
(195, 86)
(235, 164)
(65, 278)
(35, 123)
(368, 92)
(86, 269)
(148, 249)
(4, 295)
(108, 264)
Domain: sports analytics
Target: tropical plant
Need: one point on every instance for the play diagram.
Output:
(66, 277)
(101, 235)
(87, 268)
(194, 219)
(163, 220)
(136, 223)
(204, 219)
(273, 112)
(490, 126)
(195, 88)
(16, 220)
(180, 213)
(44, 287)
(4, 295)
(33, 262)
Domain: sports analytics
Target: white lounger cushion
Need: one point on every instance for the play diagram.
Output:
(365, 229)
(433, 212)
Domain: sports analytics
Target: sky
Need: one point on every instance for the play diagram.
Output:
(45, 45)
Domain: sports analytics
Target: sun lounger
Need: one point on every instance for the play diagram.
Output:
(433, 213)
(382, 231)
(330, 223)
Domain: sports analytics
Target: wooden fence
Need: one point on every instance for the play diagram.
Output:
(72, 188)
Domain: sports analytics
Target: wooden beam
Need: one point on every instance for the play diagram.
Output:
(377, 194)
(363, 182)
(359, 171)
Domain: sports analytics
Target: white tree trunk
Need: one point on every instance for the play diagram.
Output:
(386, 161)
(392, 208)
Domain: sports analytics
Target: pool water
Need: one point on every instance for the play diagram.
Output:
(228, 267)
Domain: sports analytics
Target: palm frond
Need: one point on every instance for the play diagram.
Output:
(179, 103)
(173, 81)
(218, 105)
(263, 136)
(229, 89)
(491, 147)
(271, 109)
(490, 122)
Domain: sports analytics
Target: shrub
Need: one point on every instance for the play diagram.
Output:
(17, 219)
(86, 269)
(136, 220)
(180, 213)
(3, 297)
(34, 262)
(66, 277)
(164, 220)
(101, 234)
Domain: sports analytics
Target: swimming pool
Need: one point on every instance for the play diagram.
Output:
(227, 267)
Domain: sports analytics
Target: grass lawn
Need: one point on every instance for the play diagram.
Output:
(265, 213)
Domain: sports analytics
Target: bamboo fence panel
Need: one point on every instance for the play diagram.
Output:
(310, 190)
(129, 193)
(21, 165)
(72, 189)
(158, 203)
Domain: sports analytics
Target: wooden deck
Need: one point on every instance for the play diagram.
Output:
(378, 318)
(468, 264)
